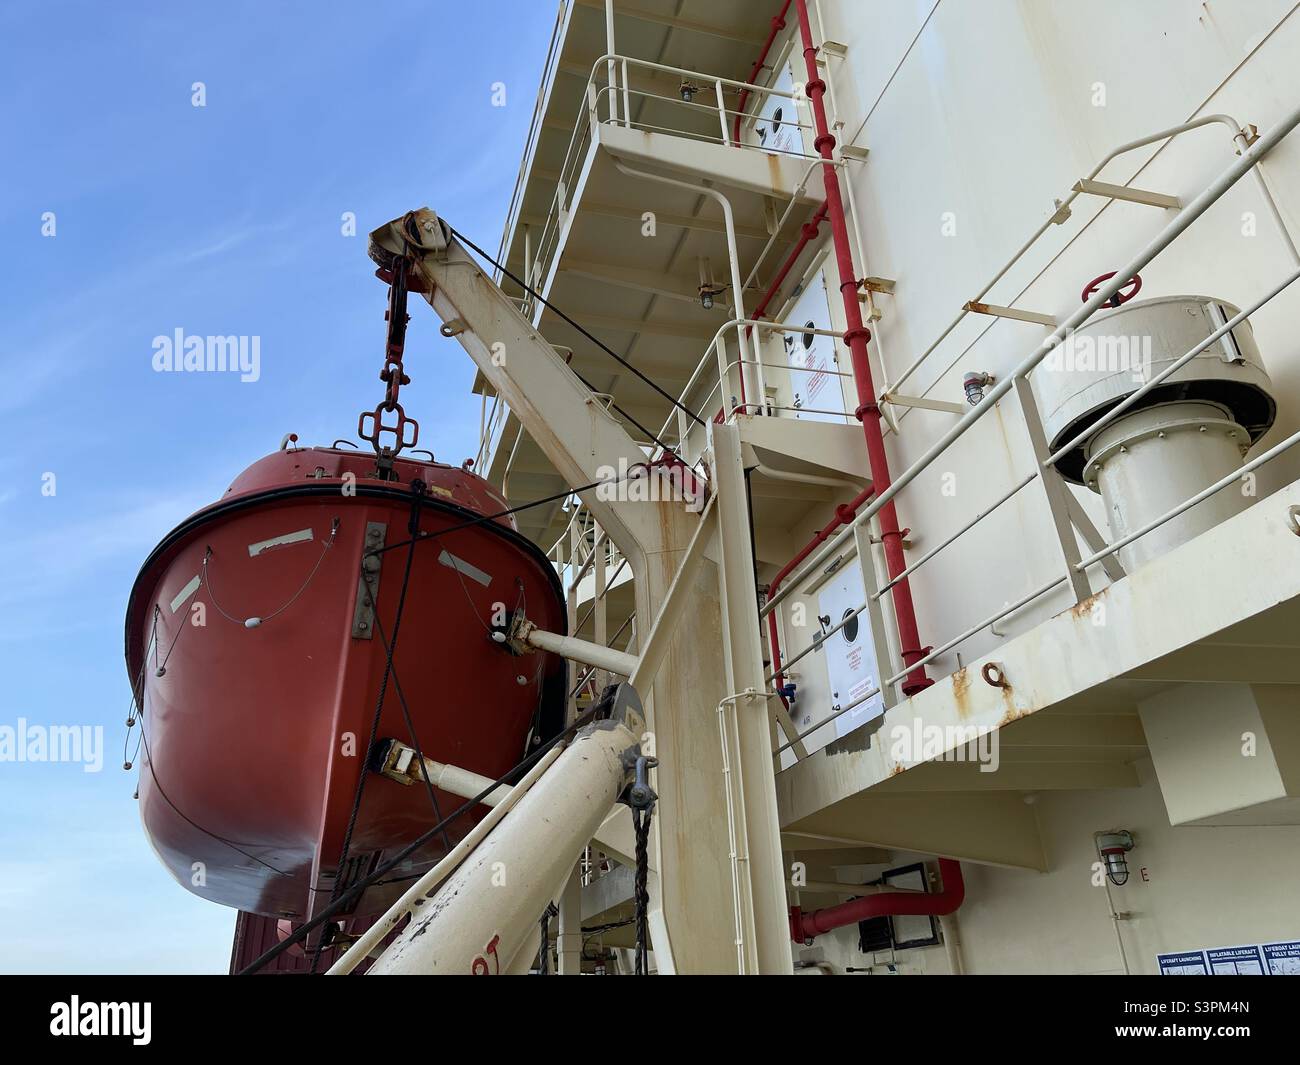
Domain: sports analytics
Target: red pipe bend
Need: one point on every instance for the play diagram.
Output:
(806, 926)
(856, 337)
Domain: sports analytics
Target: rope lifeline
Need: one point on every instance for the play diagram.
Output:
(600, 344)
(417, 496)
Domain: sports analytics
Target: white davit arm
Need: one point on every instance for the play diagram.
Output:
(485, 913)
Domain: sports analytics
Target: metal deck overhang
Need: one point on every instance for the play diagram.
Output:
(1223, 608)
(637, 295)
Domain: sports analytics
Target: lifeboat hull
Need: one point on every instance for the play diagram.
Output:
(259, 679)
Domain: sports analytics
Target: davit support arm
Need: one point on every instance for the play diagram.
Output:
(698, 625)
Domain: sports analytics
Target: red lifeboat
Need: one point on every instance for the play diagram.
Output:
(257, 666)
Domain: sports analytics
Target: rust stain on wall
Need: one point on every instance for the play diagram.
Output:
(961, 692)
(1083, 608)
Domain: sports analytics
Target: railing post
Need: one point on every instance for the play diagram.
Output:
(600, 616)
(611, 49)
(627, 100)
(571, 711)
(760, 377)
(482, 425)
(724, 384)
(1054, 490)
(568, 939)
(528, 270)
(722, 113)
(767, 940)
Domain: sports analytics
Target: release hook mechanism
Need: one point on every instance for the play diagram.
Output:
(390, 437)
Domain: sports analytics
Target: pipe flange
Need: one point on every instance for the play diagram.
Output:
(1223, 425)
(514, 634)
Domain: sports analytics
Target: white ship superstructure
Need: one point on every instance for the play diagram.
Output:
(1062, 236)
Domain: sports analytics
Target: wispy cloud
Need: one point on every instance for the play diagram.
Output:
(236, 234)
(62, 575)
(221, 220)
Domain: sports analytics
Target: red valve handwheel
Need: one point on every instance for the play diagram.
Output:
(1130, 288)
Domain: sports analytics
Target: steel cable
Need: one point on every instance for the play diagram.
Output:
(600, 344)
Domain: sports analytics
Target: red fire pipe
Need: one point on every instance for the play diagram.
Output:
(778, 24)
(844, 514)
(806, 926)
(856, 337)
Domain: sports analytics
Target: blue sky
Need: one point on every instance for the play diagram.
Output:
(222, 219)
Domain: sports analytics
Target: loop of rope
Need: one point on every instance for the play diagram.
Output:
(544, 953)
(263, 619)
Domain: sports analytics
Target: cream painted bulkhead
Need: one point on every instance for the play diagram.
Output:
(977, 120)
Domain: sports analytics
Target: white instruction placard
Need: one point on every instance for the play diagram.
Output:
(1252, 959)
(1282, 959)
(1184, 963)
(1236, 961)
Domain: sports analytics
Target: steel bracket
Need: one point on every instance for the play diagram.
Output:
(515, 637)
(1127, 192)
(363, 616)
(993, 309)
(878, 284)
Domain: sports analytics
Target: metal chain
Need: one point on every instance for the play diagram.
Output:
(258, 620)
(641, 893)
(544, 952)
(394, 376)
